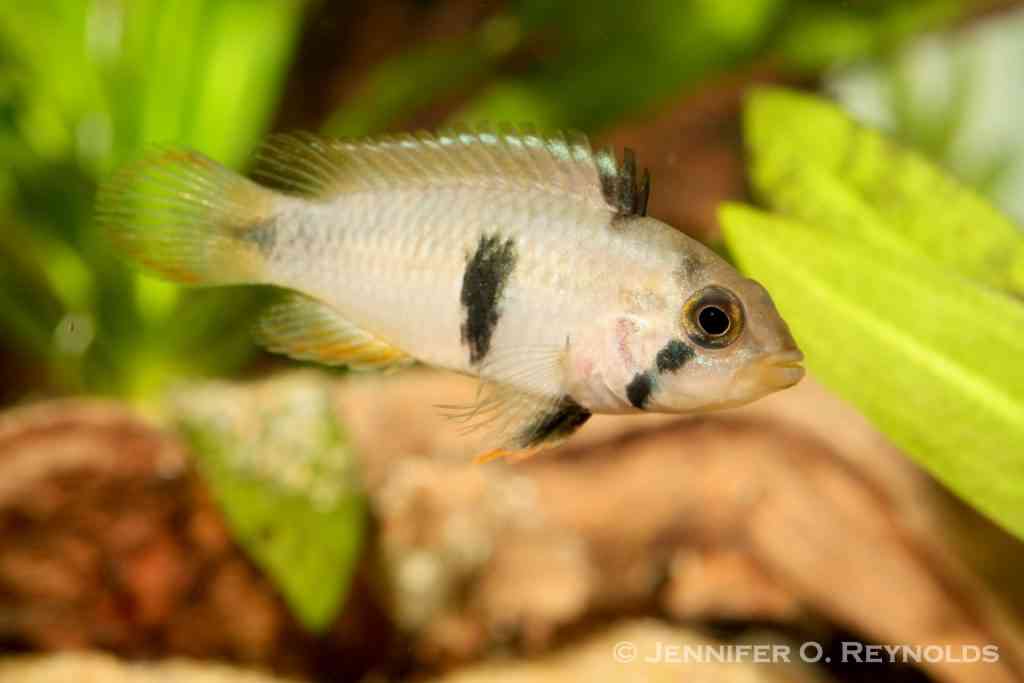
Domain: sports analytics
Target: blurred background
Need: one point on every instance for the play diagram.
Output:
(172, 495)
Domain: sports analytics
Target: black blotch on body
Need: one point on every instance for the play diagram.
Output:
(621, 189)
(563, 420)
(675, 355)
(487, 272)
(639, 390)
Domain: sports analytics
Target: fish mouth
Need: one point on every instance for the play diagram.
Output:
(782, 369)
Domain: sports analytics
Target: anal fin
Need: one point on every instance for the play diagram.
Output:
(305, 328)
(524, 433)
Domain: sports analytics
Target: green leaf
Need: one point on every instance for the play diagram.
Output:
(241, 77)
(935, 360)
(282, 471)
(811, 161)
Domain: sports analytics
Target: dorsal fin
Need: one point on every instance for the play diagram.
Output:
(307, 329)
(561, 163)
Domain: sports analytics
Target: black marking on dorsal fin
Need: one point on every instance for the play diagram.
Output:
(619, 184)
(642, 194)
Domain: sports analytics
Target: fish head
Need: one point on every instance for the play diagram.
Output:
(716, 340)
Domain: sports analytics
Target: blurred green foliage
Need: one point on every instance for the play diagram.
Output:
(592, 63)
(85, 86)
(88, 84)
(890, 275)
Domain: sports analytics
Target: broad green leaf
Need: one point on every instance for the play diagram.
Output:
(283, 473)
(935, 360)
(811, 161)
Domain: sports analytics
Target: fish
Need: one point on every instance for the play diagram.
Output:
(526, 260)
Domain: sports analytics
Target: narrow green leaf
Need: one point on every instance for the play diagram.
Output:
(247, 51)
(811, 161)
(933, 359)
(282, 471)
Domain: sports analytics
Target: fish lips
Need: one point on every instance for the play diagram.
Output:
(779, 370)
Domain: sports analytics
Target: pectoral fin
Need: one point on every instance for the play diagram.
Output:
(522, 403)
(551, 423)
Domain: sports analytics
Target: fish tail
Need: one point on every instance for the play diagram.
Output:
(188, 219)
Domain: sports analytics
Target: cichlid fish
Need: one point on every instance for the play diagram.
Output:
(527, 261)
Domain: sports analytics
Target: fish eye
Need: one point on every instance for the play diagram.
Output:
(713, 317)
(714, 321)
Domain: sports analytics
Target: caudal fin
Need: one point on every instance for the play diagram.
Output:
(187, 218)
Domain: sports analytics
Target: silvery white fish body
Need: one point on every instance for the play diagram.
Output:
(525, 260)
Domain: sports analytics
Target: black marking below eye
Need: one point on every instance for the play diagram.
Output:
(639, 390)
(619, 185)
(487, 272)
(675, 355)
(566, 418)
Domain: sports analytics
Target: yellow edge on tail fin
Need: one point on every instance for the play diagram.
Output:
(185, 217)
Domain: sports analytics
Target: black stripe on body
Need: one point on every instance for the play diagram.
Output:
(639, 390)
(619, 184)
(487, 272)
(563, 420)
(675, 355)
